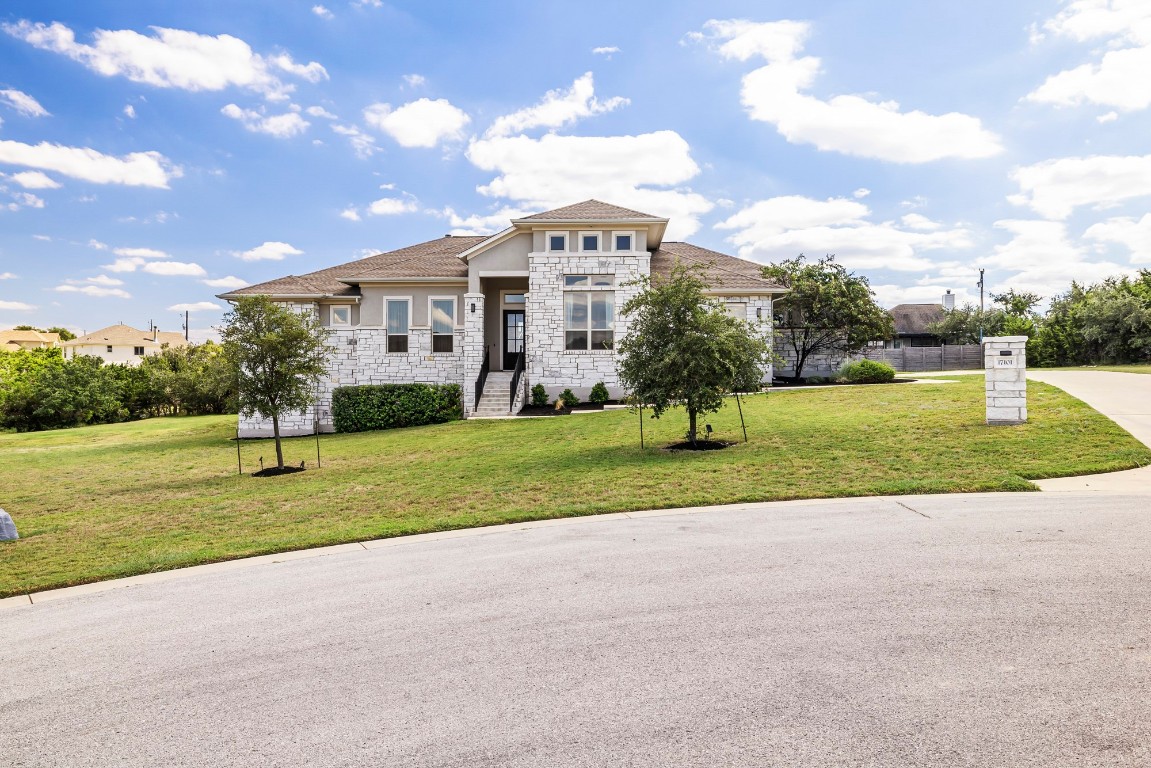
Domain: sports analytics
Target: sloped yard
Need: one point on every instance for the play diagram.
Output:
(102, 502)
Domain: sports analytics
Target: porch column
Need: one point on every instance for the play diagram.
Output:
(473, 346)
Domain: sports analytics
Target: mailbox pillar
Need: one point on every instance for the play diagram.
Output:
(1005, 361)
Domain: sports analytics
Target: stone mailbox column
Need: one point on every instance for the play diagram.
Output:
(1005, 361)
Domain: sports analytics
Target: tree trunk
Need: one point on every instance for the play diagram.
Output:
(276, 432)
(691, 426)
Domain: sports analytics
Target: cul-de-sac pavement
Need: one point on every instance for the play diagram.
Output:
(962, 630)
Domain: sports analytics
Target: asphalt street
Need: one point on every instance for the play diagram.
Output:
(969, 630)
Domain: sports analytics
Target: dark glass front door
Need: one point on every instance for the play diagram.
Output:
(513, 336)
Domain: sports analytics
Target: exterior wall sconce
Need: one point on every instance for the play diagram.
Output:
(473, 307)
(759, 313)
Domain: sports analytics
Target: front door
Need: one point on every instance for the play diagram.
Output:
(513, 336)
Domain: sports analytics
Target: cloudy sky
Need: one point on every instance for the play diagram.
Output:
(155, 154)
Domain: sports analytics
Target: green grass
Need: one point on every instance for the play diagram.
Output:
(102, 502)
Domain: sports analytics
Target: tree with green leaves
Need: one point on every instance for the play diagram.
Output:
(827, 309)
(278, 357)
(684, 348)
(965, 324)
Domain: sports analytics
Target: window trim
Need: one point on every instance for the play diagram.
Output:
(332, 315)
(504, 304)
(548, 241)
(455, 320)
(388, 334)
(598, 239)
(616, 234)
(139, 353)
(591, 291)
(108, 347)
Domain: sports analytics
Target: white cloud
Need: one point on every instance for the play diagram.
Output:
(1135, 235)
(98, 291)
(129, 111)
(415, 81)
(391, 206)
(784, 227)
(104, 280)
(137, 169)
(199, 306)
(1055, 188)
(1040, 257)
(174, 269)
(320, 112)
(229, 282)
(16, 306)
(322, 12)
(24, 200)
(350, 213)
(605, 50)
(557, 109)
(929, 291)
(420, 123)
(363, 144)
(1119, 77)
(269, 251)
(861, 193)
(282, 126)
(482, 224)
(7, 276)
(172, 58)
(920, 222)
(849, 124)
(94, 243)
(45, 238)
(554, 171)
(142, 253)
(22, 103)
(129, 264)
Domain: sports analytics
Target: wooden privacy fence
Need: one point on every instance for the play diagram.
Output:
(948, 358)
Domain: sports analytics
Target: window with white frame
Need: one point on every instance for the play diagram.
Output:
(398, 314)
(589, 242)
(557, 242)
(443, 314)
(589, 312)
(737, 309)
(138, 351)
(341, 314)
(623, 241)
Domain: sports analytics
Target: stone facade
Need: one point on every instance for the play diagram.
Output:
(547, 362)
(820, 364)
(1005, 382)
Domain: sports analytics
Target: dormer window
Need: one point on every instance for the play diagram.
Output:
(623, 241)
(589, 242)
(557, 242)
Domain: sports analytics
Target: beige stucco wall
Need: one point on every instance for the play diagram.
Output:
(371, 312)
(508, 256)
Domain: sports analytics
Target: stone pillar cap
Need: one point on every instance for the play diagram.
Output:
(1004, 339)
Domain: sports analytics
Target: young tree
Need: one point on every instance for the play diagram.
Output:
(684, 348)
(277, 356)
(964, 324)
(827, 309)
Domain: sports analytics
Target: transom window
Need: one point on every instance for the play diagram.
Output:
(589, 312)
(341, 314)
(557, 241)
(589, 241)
(398, 314)
(514, 298)
(443, 312)
(623, 240)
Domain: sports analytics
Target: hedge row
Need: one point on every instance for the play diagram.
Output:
(387, 406)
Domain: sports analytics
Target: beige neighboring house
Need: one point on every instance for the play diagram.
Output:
(122, 344)
(12, 341)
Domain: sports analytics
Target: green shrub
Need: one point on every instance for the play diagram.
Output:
(539, 396)
(816, 379)
(387, 406)
(569, 398)
(867, 372)
(599, 394)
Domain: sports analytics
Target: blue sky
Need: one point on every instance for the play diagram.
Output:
(155, 154)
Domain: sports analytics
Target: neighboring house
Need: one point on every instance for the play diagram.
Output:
(15, 340)
(123, 344)
(543, 296)
(911, 323)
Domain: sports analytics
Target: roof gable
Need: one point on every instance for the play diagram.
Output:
(589, 210)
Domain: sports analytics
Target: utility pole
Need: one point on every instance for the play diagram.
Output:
(981, 306)
(185, 325)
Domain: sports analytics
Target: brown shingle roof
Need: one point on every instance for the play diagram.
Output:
(589, 210)
(722, 272)
(126, 334)
(914, 318)
(434, 259)
(29, 336)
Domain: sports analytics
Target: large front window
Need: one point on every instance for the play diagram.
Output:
(589, 312)
(398, 313)
(443, 313)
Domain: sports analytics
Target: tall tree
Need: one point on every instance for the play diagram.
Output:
(278, 357)
(826, 310)
(683, 347)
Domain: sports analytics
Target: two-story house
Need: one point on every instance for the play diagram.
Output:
(538, 303)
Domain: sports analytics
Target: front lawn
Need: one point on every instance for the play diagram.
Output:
(1138, 368)
(100, 502)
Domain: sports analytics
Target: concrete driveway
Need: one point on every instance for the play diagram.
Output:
(1123, 397)
(971, 630)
